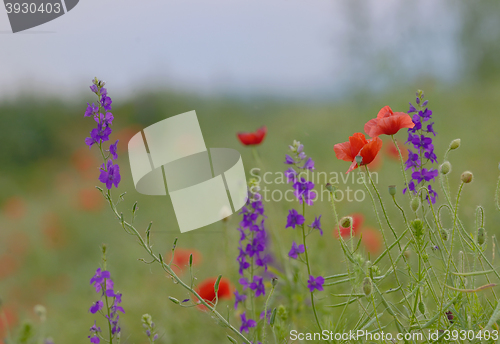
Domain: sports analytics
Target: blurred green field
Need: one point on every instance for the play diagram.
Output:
(53, 220)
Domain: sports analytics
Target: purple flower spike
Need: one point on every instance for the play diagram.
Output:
(315, 283)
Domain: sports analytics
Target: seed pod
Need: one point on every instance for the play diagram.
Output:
(455, 144)
(444, 234)
(367, 286)
(345, 222)
(415, 204)
(466, 177)
(445, 168)
(359, 159)
(421, 307)
(481, 236)
(392, 190)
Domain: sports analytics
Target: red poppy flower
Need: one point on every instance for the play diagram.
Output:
(393, 153)
(357, 223)
(358, 145)
(388, 122)
(255, 138)
(181, 258)
(372, 240)
(206, 290)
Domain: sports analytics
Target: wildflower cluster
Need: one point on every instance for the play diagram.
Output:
(252, 251)
(299, 160)
(419, 137)
(110, 173)
(149, 326)
(104, 285)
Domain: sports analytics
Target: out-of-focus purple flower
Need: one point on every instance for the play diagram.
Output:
(289, 160)
(268, 315)
(315, 283)
(111, 175)
(296, 250)
(294, 219)
(94, 88)
(258, 286)
(246, 324)
(316, 224)
(238, 298)
(309, 164)
(112, 150)
(291, 175)
(96, 307)
(99, 278)
(94, 338)
(412, 109)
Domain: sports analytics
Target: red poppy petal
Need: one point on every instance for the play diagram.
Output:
(343, 151)
(371, 128)
(386, 111)
(357, 141)
(370, 150)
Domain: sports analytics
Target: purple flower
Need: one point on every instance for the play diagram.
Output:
(91, 110)
(112, 150)
(315, 283)
(309, 164)
(238, 298)
(316, 224)
(96, 307)
(246, 323)
(105, 119)
(291, 175)
(110, 176)
(303, 191)
(289, 160)
(294, 219)
(296, 250)
(97, 134)
(413, 160)
(412, 109)
(268, 315)
(94, 338)
(106, 102)
(258, 286)
(421, 142)
(99, 278)
(94, 88)
(424, 174)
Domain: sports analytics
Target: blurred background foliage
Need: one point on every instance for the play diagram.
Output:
(52, 219)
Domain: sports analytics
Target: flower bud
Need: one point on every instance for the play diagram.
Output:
(415, 204)
(329, 187)
(345, 222)
(481, 236)
(444, 234)
(274, 281)
(392, 190)
(421, 307)
(445, 168)
(466, 177)
(359, 159)
(455, 144)
(367, 286)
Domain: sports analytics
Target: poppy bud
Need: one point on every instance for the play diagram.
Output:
(329, 187)
(345, 222)
(274, 281)
(367, 286)
(359, 160)
(392, 190)
(421, 307)
(455, 144)
(445, 168)
(415, 204)
(444, 234)
(466, 177)
(481, 236)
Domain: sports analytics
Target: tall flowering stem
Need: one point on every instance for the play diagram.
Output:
(303, 191)
(252, 253)
(110, 308)
(110, 176)
(420, 138)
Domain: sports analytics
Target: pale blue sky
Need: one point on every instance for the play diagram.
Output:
(281, 47)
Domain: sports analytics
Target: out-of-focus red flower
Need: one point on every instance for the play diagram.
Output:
(392, 151)
(206, 290)
(86, 163)
(372, 240)
(8, 265)
(357, 223)
(14, 208)
(255, 138)
(7, 322)
(90, 200)
(358, 145)
(388, 122)
(54, 234)
(181, 258)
